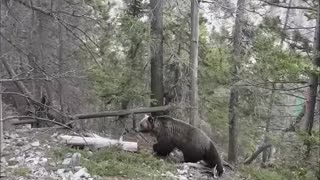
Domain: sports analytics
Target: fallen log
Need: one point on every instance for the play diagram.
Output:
(99, 142)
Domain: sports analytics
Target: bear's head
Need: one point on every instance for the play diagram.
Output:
(146, 124)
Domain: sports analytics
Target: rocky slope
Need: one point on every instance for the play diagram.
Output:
(30, 154)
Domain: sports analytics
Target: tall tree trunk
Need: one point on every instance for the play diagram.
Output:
(1, 122)
(311, 100)
(34, 56)
(234, 94)
(194, 120)
(283, 35)
(267, 152)
(156, 47)
(61, 63)
(313, 84)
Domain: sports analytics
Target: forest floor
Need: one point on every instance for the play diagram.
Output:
(40, 154)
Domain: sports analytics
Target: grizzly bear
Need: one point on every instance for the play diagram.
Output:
(173, 133)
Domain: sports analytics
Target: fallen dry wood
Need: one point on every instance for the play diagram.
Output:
(99, 142)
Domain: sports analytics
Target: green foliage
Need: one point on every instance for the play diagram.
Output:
(276, 173)
(214, 79)
(113, 161)
(21, 171)
(254, 173)
(119, 77)
(275, 64)
(293, 161)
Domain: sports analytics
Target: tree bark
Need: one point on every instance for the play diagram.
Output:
(194, 118)
(313, 84)
(156, 48)
(234, 94)
(61, 64)
(1, 122)
(283, 35)
(266, 153)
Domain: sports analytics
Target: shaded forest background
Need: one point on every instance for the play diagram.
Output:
(257, 66)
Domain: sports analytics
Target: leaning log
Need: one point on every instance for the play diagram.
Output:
(256, 153)
(122, 112)
(90, 115)
(99, 142)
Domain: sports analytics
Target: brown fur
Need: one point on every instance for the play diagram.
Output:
(172, 133)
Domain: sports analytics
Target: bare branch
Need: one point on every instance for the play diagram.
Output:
(37, 118)
(281, 5)
(22, 88)
(65, 75)
(61, 22)
(13, 45)
(36, 102)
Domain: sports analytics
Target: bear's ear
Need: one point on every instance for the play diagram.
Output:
(150, 119)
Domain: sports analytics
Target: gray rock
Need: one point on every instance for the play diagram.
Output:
(41, 172)
(17, 151)
(3, 174)
(43, 161)
(168, 174)
(60, 171)
(76, 159)
(14, 136)
(26, 147)
(53, 164)
(35, 144)
(6, 135)
(54, 135)
(67, 161)
(38, 153)
(3, 161)
(180, 177)
(73, 161)
(82, 173)
(12, 162)
(68, 155)
(77, 168)
(65, 174)
(20, 159)
(20, 143)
